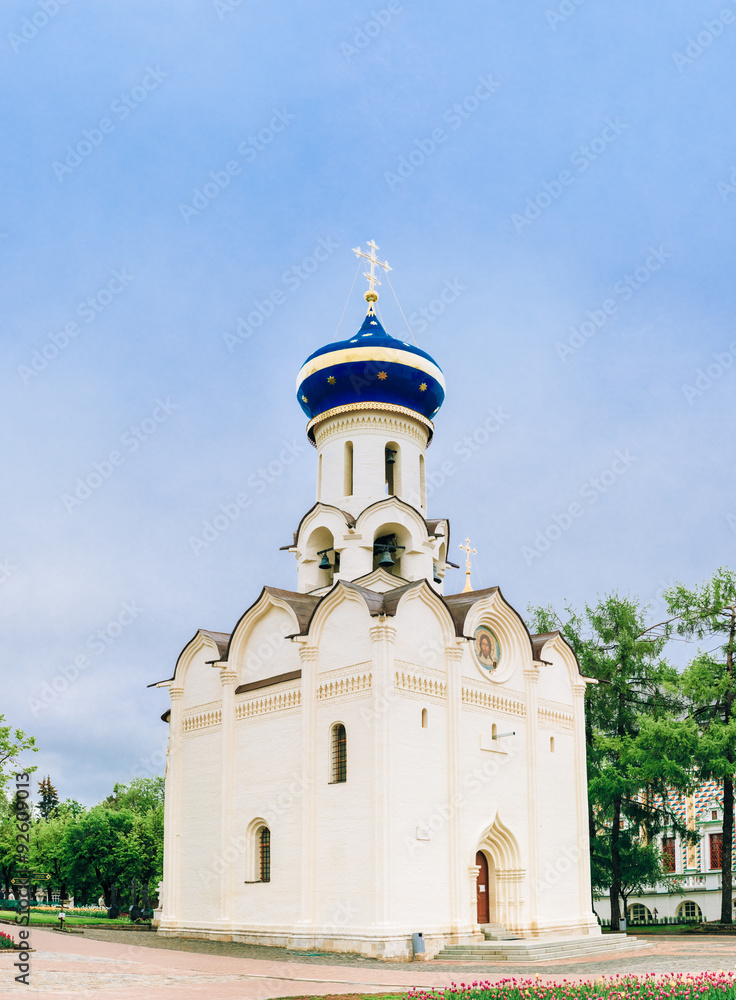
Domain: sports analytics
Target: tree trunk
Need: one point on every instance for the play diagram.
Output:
(726, 874)
(615, 865)
(727, 845)
(589, 747)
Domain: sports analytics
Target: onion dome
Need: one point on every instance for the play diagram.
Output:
(372, 367)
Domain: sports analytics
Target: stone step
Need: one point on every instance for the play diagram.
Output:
(497, 932)
(539, 949)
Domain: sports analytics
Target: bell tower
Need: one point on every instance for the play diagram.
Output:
(370, 402)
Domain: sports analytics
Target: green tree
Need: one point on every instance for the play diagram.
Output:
(48, 853)
(13, 743)
(49, 798)
(139, 795)
(629, 710)
(708, 613)
(641, 867)
(99, 850)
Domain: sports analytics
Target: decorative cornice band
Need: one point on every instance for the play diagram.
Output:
(478, 699)
(288, 699)
(366, 411)
(202, 717)
(415, 686)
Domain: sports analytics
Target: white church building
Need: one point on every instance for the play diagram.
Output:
(365, 757)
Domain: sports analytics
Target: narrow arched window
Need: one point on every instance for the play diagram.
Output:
(494, 731)
(348, 469)
(339, 768)
(425, 719)
(392, 457)
(264, 859)
(551, 744)
(319, 478)
(422, 483)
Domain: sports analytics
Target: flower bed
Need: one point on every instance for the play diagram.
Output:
(690, 986)
(74, 911)
(6, 941)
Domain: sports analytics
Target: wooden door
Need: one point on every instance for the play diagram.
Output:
(482, 888)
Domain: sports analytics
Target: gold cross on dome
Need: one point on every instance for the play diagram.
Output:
(467, 549)
(371, 295)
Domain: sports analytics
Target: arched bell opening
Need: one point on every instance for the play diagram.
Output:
(390, 542)
(321, 562)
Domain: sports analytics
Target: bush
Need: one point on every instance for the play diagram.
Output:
(6, 941)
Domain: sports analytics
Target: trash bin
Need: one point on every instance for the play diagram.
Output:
(622, 925)
(417, 944)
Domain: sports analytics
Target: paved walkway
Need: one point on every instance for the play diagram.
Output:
(133, 966)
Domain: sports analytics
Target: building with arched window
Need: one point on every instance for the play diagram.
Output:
(366, 756)
(691, 888)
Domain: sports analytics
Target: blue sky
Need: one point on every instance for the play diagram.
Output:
(564, 173)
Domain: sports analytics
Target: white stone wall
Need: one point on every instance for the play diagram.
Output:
(370, 432)
(360, 866)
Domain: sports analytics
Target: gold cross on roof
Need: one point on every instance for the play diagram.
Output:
(467, 549)
(371, 295)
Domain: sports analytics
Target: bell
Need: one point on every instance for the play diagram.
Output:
(437, 577)
(386, 559)
(325, 563)
(390, 460)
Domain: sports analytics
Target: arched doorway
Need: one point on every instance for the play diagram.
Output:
(500, 879)
(482, 889)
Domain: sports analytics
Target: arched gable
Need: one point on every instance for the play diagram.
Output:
(561, 669)
(516, 646)
(194, 672)
(392, 509)
(323, 515)
(259, 646)
(340, 628)
(424, 623)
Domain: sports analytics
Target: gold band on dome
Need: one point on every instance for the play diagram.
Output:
(353, 407)
(366, 354)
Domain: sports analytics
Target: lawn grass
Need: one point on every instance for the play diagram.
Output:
(51, 918)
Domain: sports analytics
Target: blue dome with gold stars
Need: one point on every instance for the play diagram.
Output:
(372, 367)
